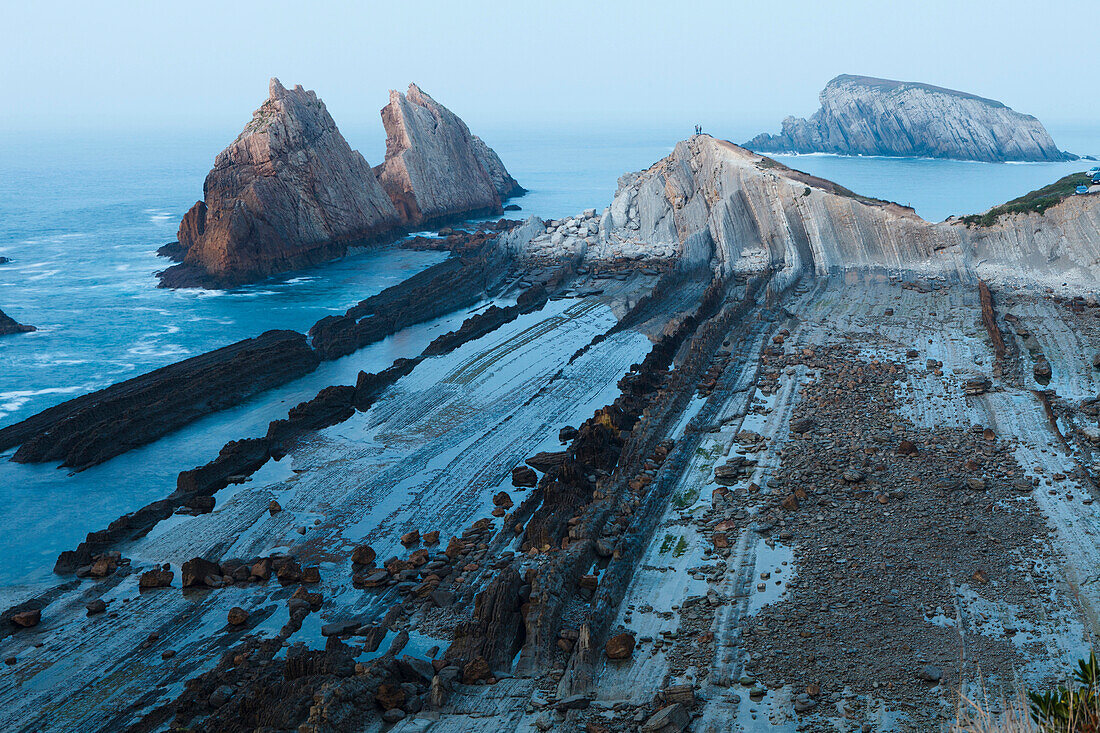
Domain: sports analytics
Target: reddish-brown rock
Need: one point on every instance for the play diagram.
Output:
(363, 555)
(27, 619)
(620, 646)
(287, 193)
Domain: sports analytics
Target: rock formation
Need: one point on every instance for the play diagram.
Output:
(862, 115)
(10, 325)
(435, 169)
(290, 192)
(713, 203)
(95, 427)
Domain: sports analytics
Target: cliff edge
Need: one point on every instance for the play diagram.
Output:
(715, 204)
(862, 115)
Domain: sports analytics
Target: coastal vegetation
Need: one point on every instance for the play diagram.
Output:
(1037, 201)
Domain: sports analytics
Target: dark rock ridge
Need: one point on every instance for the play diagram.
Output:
(457, 282)
(195, 488)
(435, 168)
(290, 192)
(10, 325)
(862, 115)
(95, 427)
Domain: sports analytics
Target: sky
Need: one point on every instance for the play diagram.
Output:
(205, 65)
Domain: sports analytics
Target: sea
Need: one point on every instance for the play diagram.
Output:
(81, 217)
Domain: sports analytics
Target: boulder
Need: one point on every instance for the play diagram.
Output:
(159, 577)
(363, 555)
(620, 646)
(669, 719)
(196, 570)
(27, 619)
(524, 476)
(237, 616)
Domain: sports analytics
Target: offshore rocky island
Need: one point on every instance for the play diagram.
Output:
(863, 115)
(290, 192)
(744, 448)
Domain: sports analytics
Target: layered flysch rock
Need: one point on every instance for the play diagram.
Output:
(288, 192)
(10, 325)
(714, 204)
(435, 168)
(862, 115)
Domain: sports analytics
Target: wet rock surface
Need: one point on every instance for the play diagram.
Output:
(637, 497)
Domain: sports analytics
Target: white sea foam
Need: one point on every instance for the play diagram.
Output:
(157, 350)
(14, 400)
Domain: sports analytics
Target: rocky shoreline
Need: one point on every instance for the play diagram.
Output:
(743, 449)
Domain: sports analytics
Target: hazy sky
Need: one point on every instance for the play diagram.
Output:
(181, 65)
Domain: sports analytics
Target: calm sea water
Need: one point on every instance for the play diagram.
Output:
(81, 217)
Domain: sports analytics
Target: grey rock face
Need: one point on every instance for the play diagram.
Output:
(435, 168)
(712, 203)
(862, 115)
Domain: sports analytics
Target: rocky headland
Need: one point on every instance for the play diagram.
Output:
(290, 192)
(744, 447)
(9, 325)
(862, 115)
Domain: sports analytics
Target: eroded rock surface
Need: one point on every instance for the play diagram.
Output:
(287, 193)
(290, 192)
(435, 168)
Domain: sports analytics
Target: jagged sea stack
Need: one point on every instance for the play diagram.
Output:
(435, 168)
(863, 115)
(288, 192)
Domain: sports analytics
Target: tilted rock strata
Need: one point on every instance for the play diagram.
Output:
(435, 168)
(9, 325)
(290, 192)
(90, 429)
(863, 115)
(713, 203)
